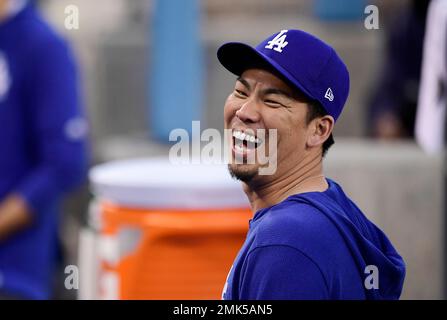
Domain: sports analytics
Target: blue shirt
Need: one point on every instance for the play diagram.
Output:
(315, 245)
(42, 145)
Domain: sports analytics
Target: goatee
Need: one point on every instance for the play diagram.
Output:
(241, 174)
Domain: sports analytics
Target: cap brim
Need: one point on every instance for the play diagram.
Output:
(237, 57)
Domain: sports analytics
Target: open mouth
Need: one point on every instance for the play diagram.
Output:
(245, 142)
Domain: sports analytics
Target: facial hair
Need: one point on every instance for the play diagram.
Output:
(243, 174)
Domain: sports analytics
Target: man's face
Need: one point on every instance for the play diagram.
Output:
(260, 100)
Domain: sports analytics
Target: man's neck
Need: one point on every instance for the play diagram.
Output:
(306, 177)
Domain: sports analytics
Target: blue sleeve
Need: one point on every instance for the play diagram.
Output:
(281, 273)
(57, 127)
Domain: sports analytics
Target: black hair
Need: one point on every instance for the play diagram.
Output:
(314, 111)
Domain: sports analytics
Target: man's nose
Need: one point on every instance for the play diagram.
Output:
(249, 112)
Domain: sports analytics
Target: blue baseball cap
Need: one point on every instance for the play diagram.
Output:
(306, 62)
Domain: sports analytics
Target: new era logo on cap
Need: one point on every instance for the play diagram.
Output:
(307, 63)
(329, 94)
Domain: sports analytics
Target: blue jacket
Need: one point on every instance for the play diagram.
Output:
(315, 245)
(42, 145)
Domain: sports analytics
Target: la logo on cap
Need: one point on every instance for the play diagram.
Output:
(329, 94)
(279, 41)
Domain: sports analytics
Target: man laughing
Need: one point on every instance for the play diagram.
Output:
(307, 239)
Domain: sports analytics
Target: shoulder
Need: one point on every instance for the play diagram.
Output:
(302, 227)
(291, 222)
(301, 232)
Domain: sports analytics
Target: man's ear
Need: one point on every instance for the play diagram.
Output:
(320, 130)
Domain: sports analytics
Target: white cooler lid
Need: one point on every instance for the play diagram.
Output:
(157, 183)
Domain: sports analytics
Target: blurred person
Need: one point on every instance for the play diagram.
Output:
(42, 145)
(392, 108)
(307, 239)
(431, 120)
(431, 117)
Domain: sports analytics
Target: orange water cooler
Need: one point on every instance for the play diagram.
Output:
(163, 231)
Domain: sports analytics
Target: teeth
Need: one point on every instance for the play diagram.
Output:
(244, 136)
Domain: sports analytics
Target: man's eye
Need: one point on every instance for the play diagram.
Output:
(240, 93)
(272, 103)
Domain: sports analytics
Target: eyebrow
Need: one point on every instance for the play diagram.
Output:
(268, 90)
(278, 92)
(244, 82)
